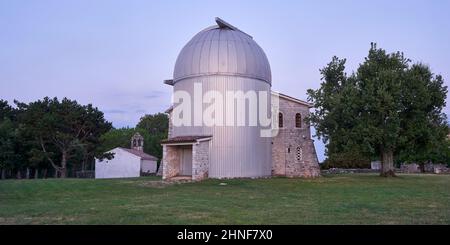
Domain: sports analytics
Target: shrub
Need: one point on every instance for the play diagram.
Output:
(346, 160)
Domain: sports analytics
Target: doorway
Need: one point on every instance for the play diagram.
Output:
(186, 161)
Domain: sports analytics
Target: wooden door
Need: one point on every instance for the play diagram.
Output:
(186, 161)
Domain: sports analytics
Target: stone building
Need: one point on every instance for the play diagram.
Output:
(220, 60)
(293, 151)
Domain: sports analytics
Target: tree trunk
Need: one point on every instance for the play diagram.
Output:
(387, 164)
(56, 174)
(422, 167)
(19, 174)
(45, 174)
(36, 173)
(27, 173)
(3, 173)
(63, 170)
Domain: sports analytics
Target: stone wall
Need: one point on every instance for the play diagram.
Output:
(436, 168)
(349, 170)
(171, 161)
(170, 127)
(428, 168)
(164, 156)
(200, 161)
(293, 151)
(410, 168)
(279, 151)
(376, 165)
(441, 169)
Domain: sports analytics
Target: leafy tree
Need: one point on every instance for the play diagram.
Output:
(12, 152)
(16, 147)
(8, 157)
(6, 147)
(385, 108)
(60, 128)
(121, 137)
(6, 111)
(117, 138)
(334, 112)
(424, 127)
(156, 127)
(153, 128)
(156, 123)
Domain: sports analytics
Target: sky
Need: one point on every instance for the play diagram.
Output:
(116, 54)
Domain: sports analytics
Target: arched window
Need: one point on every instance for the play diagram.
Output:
(139, 142)
(298, 120)
(134, 143)
(280, 120)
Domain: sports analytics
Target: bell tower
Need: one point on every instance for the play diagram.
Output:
(137, 142)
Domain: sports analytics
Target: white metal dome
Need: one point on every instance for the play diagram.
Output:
(222, 49)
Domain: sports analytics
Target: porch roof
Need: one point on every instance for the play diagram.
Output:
(186, 139)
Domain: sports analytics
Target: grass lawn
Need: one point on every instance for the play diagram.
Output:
(333, 199)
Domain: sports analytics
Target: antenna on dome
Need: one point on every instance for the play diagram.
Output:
(223, 24)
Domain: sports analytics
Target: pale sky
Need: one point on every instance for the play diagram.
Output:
(115, 54)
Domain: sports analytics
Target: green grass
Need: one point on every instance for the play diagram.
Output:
(334, 199)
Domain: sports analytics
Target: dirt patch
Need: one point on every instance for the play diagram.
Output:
(194, 215)
(156, 184)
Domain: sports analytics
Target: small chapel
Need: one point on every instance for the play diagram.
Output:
(127, 162)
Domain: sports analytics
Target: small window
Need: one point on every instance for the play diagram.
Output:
(280, 120)
(298, 120)
(299, 153)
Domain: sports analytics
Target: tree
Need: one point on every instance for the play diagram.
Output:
(424, 128)
(6, 111)
(117, 138)
(156, 123)
(97, 125)
(380, 109)
(154, 128)
(62, 128)
(7, 151)
(12, 152)
(121, 138)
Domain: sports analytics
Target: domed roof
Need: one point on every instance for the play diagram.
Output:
(222, 49)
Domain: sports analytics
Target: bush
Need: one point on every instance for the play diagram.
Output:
(346, 160)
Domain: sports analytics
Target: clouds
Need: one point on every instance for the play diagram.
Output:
(126, 107)
(114, 111)
(154, 94)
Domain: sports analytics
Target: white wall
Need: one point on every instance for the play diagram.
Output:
(237, 151)
(123, 165)
(148, 166)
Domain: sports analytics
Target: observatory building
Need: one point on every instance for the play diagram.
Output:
(225, 121)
